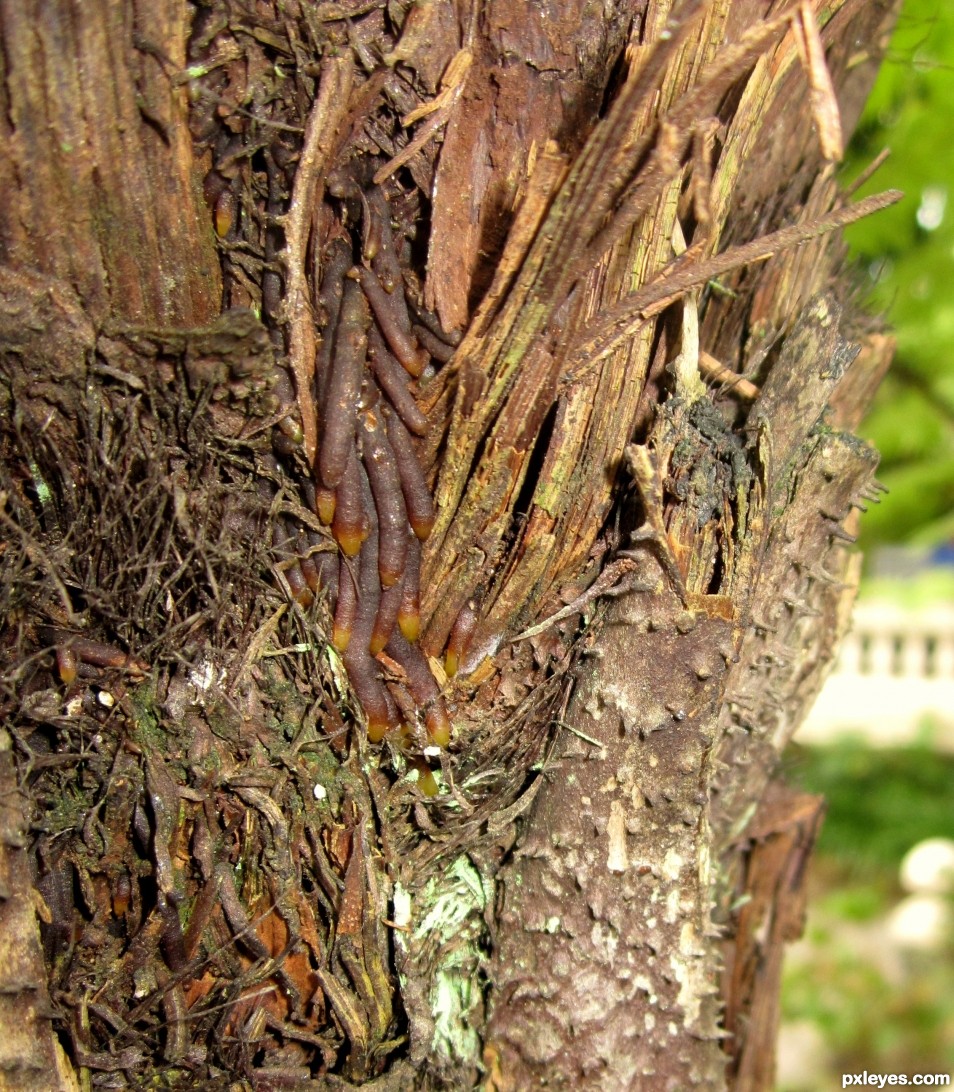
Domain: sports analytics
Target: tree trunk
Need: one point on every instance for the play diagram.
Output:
(427, 500)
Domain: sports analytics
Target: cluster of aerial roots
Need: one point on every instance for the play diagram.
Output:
(368, 485)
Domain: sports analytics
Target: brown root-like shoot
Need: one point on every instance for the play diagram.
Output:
(423, 687)
(392, 379)
(309, 566)
(369, 486)
(327, 563)
(417, 496)
(284, 542)
(387, 617)
(337, 264)
(325, 502)
(344, 386)
(320, 500)
(438, 349)
(350, 523)
(409, 612)
(297, 583)
(390, 319)
(378, 706)
(430, 321)
(459, 639)
(66, 664)
(345, 608)
(438, 724)
(381, 465)
(72, 650)
(226, 212)
(381, 252)
(426, 781)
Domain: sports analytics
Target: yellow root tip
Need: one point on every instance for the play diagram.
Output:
(438, 726)
(377, 729)
(410, 626)
(326, 506)
(349, 541)
(422, 528)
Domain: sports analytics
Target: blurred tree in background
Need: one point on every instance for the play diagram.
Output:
(908, 256)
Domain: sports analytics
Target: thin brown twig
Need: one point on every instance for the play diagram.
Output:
(868, 172)
(619, 323)
(323, 122)
(716, 372)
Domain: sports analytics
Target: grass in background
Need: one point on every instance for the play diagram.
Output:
(877, 1007)
(880, 802)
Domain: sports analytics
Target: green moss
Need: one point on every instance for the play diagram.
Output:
(147, 728)
(450, 912)
(67, 810)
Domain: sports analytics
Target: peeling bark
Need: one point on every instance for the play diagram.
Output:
(94, 128)
(537, 75)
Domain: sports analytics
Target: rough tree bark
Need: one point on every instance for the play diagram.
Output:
(602, 241)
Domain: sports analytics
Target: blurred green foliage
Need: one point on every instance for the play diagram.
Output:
(907, 255)
(877, 1008)
(870, 1020)
(880, 802)
(920, 590)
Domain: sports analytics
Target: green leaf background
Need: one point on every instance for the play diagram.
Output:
(907, 265)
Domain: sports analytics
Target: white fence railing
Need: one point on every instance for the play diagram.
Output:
(894, 675)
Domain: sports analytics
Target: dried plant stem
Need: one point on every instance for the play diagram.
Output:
(326, 115)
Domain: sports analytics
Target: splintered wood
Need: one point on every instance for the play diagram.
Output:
(523, 423)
